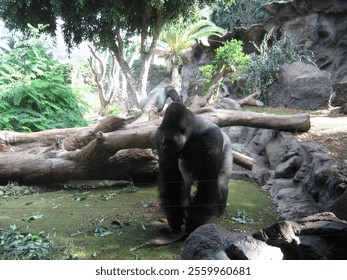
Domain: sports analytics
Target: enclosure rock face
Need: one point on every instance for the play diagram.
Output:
(339, 204)
(321, 25)
(212, 242)
(321, 236)
(300, 177)
(301, 86)
(199, 55)
(340, 93)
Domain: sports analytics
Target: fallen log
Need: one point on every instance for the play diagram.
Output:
(242, 160)
(290, 123)
(251, 100)
(96, 153)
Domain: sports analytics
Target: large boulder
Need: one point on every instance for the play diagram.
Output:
(321, 236)
(301, 86)
(320, 24)
(340, 97)
(191, 83)
(212, 242)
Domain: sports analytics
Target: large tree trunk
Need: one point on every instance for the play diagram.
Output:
(110, 149)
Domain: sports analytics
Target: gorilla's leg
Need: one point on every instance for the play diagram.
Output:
(171, 192)
(212, 194)
(206, 204)
(224, 173)
(188, 177)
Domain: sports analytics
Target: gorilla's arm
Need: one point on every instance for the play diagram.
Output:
(173, 94)
(161, 92)
(171, 191)
(163, 96)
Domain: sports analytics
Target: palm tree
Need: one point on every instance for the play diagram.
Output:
(179, 37)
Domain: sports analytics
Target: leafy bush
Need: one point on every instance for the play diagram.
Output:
(229, 59)
(264, 67)
(17, 245)
(242, 12)
(14, 189)
(33, 91)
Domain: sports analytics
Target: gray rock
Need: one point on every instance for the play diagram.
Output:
(338, 206)
(319, 236)
(320, 24)
(300, 177)
(228, 104)
(301, 86)
(257, 140)
(288, 168)
(340, 93)
(208, 242)
(249, 248)
(212, 242)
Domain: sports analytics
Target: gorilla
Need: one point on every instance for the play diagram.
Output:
(164, 90)
(191, 150)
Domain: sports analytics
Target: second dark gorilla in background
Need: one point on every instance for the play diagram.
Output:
(190, 150)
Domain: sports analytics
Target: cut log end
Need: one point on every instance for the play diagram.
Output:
(242, 160)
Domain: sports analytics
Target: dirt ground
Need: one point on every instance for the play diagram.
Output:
(330, 130)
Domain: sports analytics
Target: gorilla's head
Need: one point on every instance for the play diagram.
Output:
(175, 128)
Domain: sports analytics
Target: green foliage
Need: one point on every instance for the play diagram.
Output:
(179, 36)
(113, 109)
(17, 245)
(95, 21)
(242, 13)
(111, 24)
(14, 189)
(229, 59)
(264, 67)
(241, 217)
(33, 91)
(204, 28)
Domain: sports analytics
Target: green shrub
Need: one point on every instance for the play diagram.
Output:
(34, 94)
(264, 67)
(229, 59)
(18, 245)
(242, 12)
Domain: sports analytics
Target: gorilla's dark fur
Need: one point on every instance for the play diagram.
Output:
(192, 149)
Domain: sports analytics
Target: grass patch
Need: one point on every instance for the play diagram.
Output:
(249, 208)
(110, 223)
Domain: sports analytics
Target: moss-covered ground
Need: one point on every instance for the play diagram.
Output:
(112, 223)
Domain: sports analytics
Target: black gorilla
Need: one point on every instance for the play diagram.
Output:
(163, 94)
(192, 149)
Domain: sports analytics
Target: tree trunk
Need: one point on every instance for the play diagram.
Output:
(138, 88)
(109, 149)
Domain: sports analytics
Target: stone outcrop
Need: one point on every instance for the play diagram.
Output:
(191, 84)
(301, 86)
(317, 237)
(300, 177)
(319, 25)
(322, 26)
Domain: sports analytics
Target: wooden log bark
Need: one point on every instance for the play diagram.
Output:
(291, 123)
(251, 100)
(92, 152)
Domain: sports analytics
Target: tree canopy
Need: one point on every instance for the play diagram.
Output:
(109, 23)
